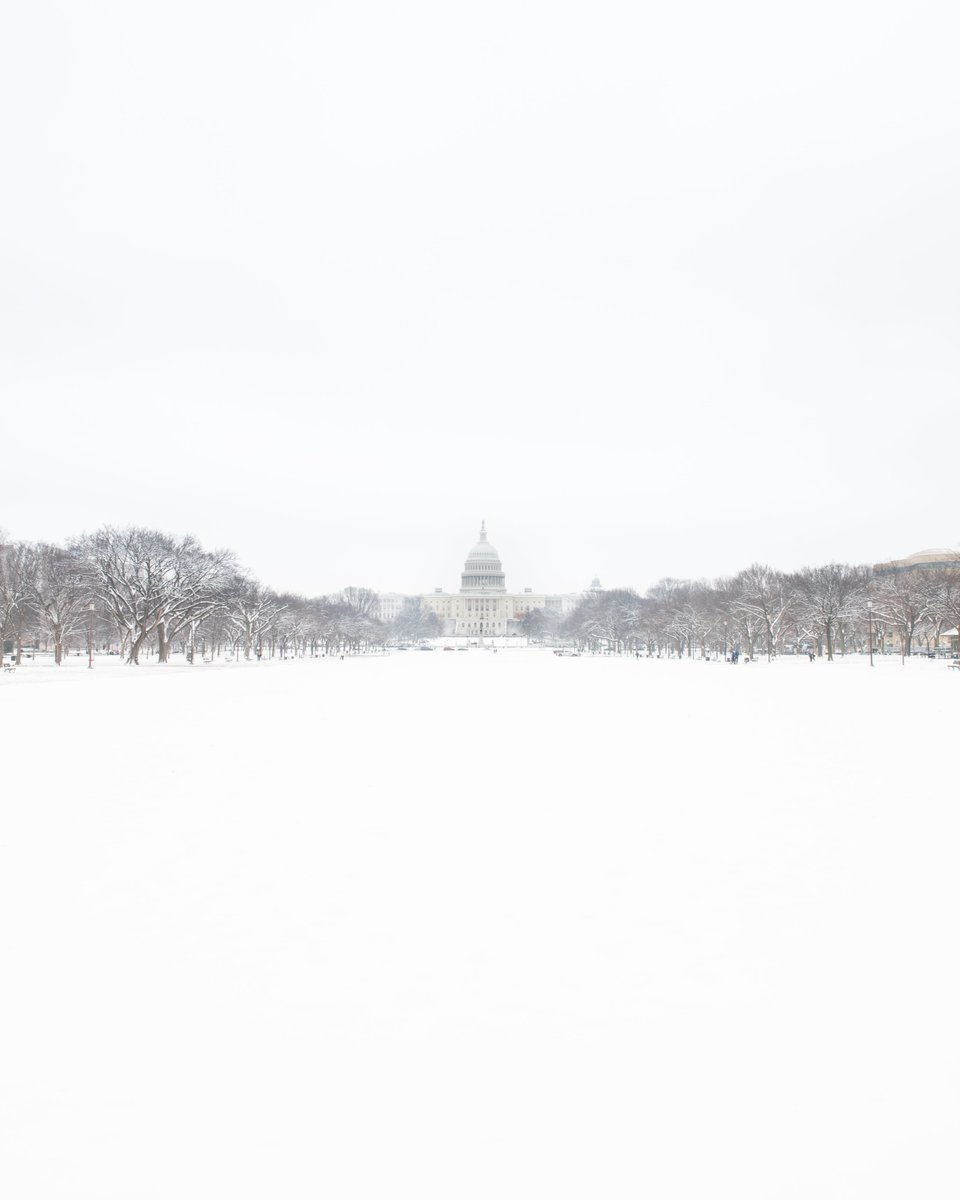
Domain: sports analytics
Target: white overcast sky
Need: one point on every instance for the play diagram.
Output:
(656, 289)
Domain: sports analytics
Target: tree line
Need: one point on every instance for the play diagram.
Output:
(825, 610)
(143, 592)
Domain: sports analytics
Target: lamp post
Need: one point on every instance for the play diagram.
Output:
(870, 628)
(90, 611)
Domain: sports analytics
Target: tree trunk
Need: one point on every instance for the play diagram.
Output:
(135, 645)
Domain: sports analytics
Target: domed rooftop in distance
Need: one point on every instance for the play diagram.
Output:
(922, 560)
(483, 572)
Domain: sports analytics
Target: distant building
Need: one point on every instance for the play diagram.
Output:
(923, 560)
(483, 607)
(388, 606)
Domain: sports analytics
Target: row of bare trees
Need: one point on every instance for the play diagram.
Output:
(146, 592)
(823, 610)
(141, 591)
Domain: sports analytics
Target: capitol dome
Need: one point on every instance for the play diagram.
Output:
(483, 572)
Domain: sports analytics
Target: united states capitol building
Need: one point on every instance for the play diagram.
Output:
(483, 607)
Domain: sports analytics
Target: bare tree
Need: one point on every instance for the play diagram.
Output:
(904, 599)
(361, 600)
(540, 623)
(763, 596)
(945, 598)
(414, 622)
(18, 566)
(251, 609)
(60, 596)
(196, 588)
(830, 595)
(153, 585)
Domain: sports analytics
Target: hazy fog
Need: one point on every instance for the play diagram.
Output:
(653, 289)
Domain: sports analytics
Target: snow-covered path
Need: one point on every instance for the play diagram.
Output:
(464, 926)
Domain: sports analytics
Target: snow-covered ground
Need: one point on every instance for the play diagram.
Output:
(457, 926)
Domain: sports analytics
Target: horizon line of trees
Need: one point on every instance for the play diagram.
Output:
(142, 591)
(825, 610)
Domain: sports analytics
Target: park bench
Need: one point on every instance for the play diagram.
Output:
(9, 668)
(955, 665)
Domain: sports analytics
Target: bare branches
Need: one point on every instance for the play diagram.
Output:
(156, 593)
(821, 610)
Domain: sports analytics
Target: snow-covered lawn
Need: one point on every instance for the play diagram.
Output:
(457, 926)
